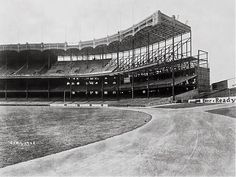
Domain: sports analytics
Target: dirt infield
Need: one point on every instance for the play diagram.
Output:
(176, 142)
(31, 132)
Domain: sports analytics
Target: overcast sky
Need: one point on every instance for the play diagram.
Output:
(35, 21)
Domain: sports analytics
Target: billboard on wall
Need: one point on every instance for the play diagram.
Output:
(214, 100)
(220, 85)
(232, 83)
(229, 83)
(223, 100)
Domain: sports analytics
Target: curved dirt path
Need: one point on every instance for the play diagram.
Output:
(176, 142)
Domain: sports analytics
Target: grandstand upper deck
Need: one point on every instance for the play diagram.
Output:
(158, 42)
(158, 27)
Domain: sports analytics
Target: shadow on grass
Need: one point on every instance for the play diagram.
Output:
(184, 105)
(231, 111)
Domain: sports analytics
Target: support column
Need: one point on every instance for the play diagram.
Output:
(191, 43)
(181, 52)
(102, 88)
(161, 53)
(148, 43)
(26, 90)
(177, 50)
(70, 91)
(49, 61)
(181, 41)
(152, 53)
(87, 58)
(48, 89)
(148, 83)
(165, 52)
(86, 83)
(190, 46)
(6, 61)
(118, 51)
(198, 62)
(140, 54)
(132, 86)
(173, 58)
(124, 61)
(102, 54)
(5, 89)
(64, 97)
(189, 65)
(186, 49)
(27, 61)
(132, 63)
(118, 86)
(70, 53)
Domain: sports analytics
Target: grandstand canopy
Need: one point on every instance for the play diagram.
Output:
(156, 28)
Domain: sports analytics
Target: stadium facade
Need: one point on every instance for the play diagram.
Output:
(150, 59)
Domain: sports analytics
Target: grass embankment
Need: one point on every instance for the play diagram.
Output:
(184, 105)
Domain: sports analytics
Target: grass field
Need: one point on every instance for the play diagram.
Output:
(31, 132)
(231, 111)
(184, 105)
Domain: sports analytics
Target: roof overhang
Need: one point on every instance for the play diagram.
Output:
(155, 28)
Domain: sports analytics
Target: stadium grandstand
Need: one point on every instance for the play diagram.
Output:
(150, 59)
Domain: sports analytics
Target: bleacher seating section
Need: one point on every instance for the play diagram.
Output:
(58, 68)
(10, 70)
(78, 67)
(31, 70)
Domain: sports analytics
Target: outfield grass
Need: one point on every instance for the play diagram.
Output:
(231, 111)
(31, 132)
(184, 105)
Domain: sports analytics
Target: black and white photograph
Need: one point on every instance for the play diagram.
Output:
(138, 88)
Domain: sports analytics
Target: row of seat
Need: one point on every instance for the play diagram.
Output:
(77, 67)
(58, 68)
